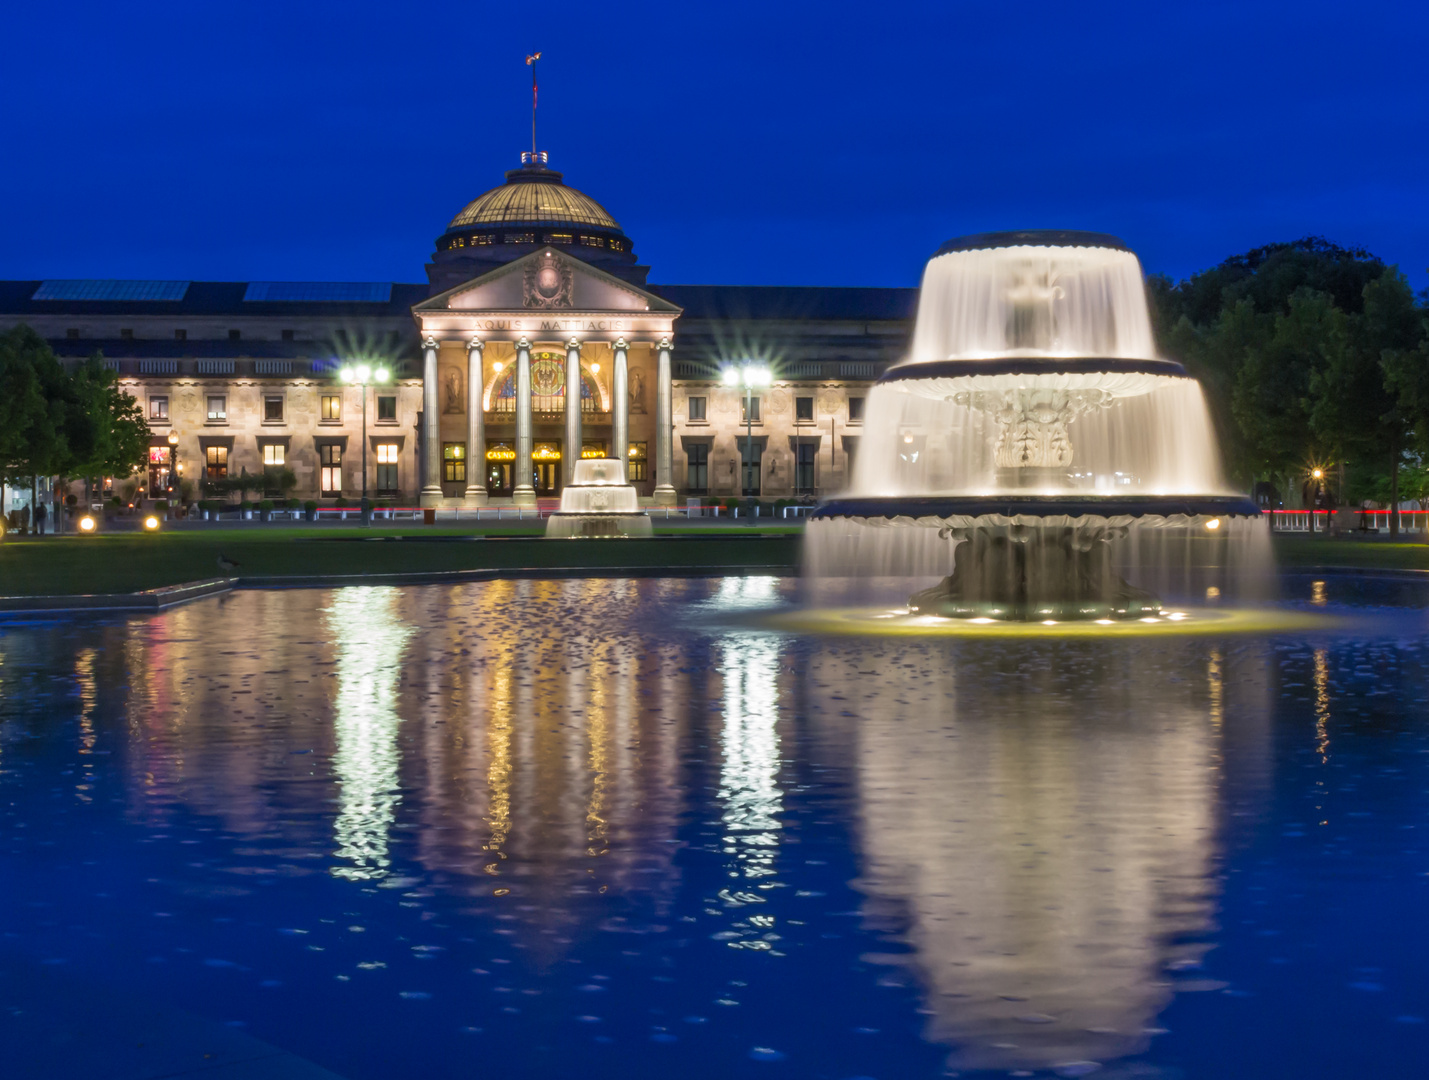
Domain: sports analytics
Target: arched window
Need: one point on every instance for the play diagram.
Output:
(548, 387)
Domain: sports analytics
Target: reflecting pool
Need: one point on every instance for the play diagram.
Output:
(646, 828)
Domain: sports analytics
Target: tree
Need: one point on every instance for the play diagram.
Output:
(1355, 409)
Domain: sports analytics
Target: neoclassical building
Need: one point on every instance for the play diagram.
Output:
(536, 340)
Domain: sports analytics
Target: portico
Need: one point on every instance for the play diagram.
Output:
(534, 364)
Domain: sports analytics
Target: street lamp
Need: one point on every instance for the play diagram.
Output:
(364, 375)
(749, 375)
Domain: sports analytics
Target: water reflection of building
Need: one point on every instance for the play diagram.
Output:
(1044, 833)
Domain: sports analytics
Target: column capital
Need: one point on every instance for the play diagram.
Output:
(665, 345)
(620, 344)
(523, 343)
(430, 342)
(475, 345)
(574, 343)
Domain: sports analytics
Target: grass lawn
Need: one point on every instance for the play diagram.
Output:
(128, 562)
(1368, 552)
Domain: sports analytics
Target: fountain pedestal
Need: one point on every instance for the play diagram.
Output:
(598, 502)
(1033, 573)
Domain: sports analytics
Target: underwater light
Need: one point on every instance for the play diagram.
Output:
(1214, 523)
(151, 523)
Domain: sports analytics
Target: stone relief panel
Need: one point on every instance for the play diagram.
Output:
(547, 282)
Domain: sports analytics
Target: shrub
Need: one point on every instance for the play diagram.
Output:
(245, 505)
(310, 505)
(71, 500)
(266, 505)
(116, 501)
(161, 505)
(340, 502)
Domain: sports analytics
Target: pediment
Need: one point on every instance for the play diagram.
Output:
(547, 281)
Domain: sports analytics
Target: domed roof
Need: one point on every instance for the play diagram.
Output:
(534, 195)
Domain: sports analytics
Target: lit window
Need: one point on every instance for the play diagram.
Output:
(855, 410)
(216, 462)
(217, 409)
(804, 409)
(387, 467)
(559, 238)
(749, 410)
(330, 458)
(331, 408)
(454, 462)
(273, 409)
(484, 239)
(386, 408)
(520, 238)
(272, 454)
(635, 466)
(158, 408)
(696, 409)
(593, 241)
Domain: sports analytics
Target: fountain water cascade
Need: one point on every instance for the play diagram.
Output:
(1033, 450)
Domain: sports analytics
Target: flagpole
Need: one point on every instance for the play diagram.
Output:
(531, 62)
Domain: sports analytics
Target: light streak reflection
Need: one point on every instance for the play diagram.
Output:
(369, 639)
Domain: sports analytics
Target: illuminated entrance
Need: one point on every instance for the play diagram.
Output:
(546, 468)
(500, 460)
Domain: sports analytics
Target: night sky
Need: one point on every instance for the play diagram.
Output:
(738, 143)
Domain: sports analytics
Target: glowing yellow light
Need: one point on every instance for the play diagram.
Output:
(364, 373)
(1214, 523)
(1318, 474)
(151, 523)
(86, 524)
(1049, 622)
(380, 375)
(907, 438)
(595, 369)
(982, 621)
(496, 366)
(1104, 622)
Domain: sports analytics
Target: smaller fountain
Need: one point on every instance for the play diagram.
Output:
(598, 502)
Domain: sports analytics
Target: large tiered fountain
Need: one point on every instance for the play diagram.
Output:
(1033, 445)
(599, 502)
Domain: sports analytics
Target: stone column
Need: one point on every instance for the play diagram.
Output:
(431, 428)
(475, 494)
(664, 422)
(572, 452)
(524, 491)
(620, 404)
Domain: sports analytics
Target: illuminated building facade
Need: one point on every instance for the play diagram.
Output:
(535, 340)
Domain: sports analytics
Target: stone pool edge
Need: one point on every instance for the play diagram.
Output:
(173, 595)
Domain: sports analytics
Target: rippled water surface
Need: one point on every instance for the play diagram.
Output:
(621, 829)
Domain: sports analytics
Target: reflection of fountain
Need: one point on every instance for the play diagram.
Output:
(370, 638)
(1041, 831)
(1035, 439)
(599, 501)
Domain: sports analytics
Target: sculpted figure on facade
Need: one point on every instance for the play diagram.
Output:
(453, 401)
(637, 391)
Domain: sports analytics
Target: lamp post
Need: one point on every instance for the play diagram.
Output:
(173, 470)
(364, 375)
(749, 375)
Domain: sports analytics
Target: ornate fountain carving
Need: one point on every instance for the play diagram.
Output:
(1032, 424)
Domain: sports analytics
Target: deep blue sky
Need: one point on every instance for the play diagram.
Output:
(736, 142)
